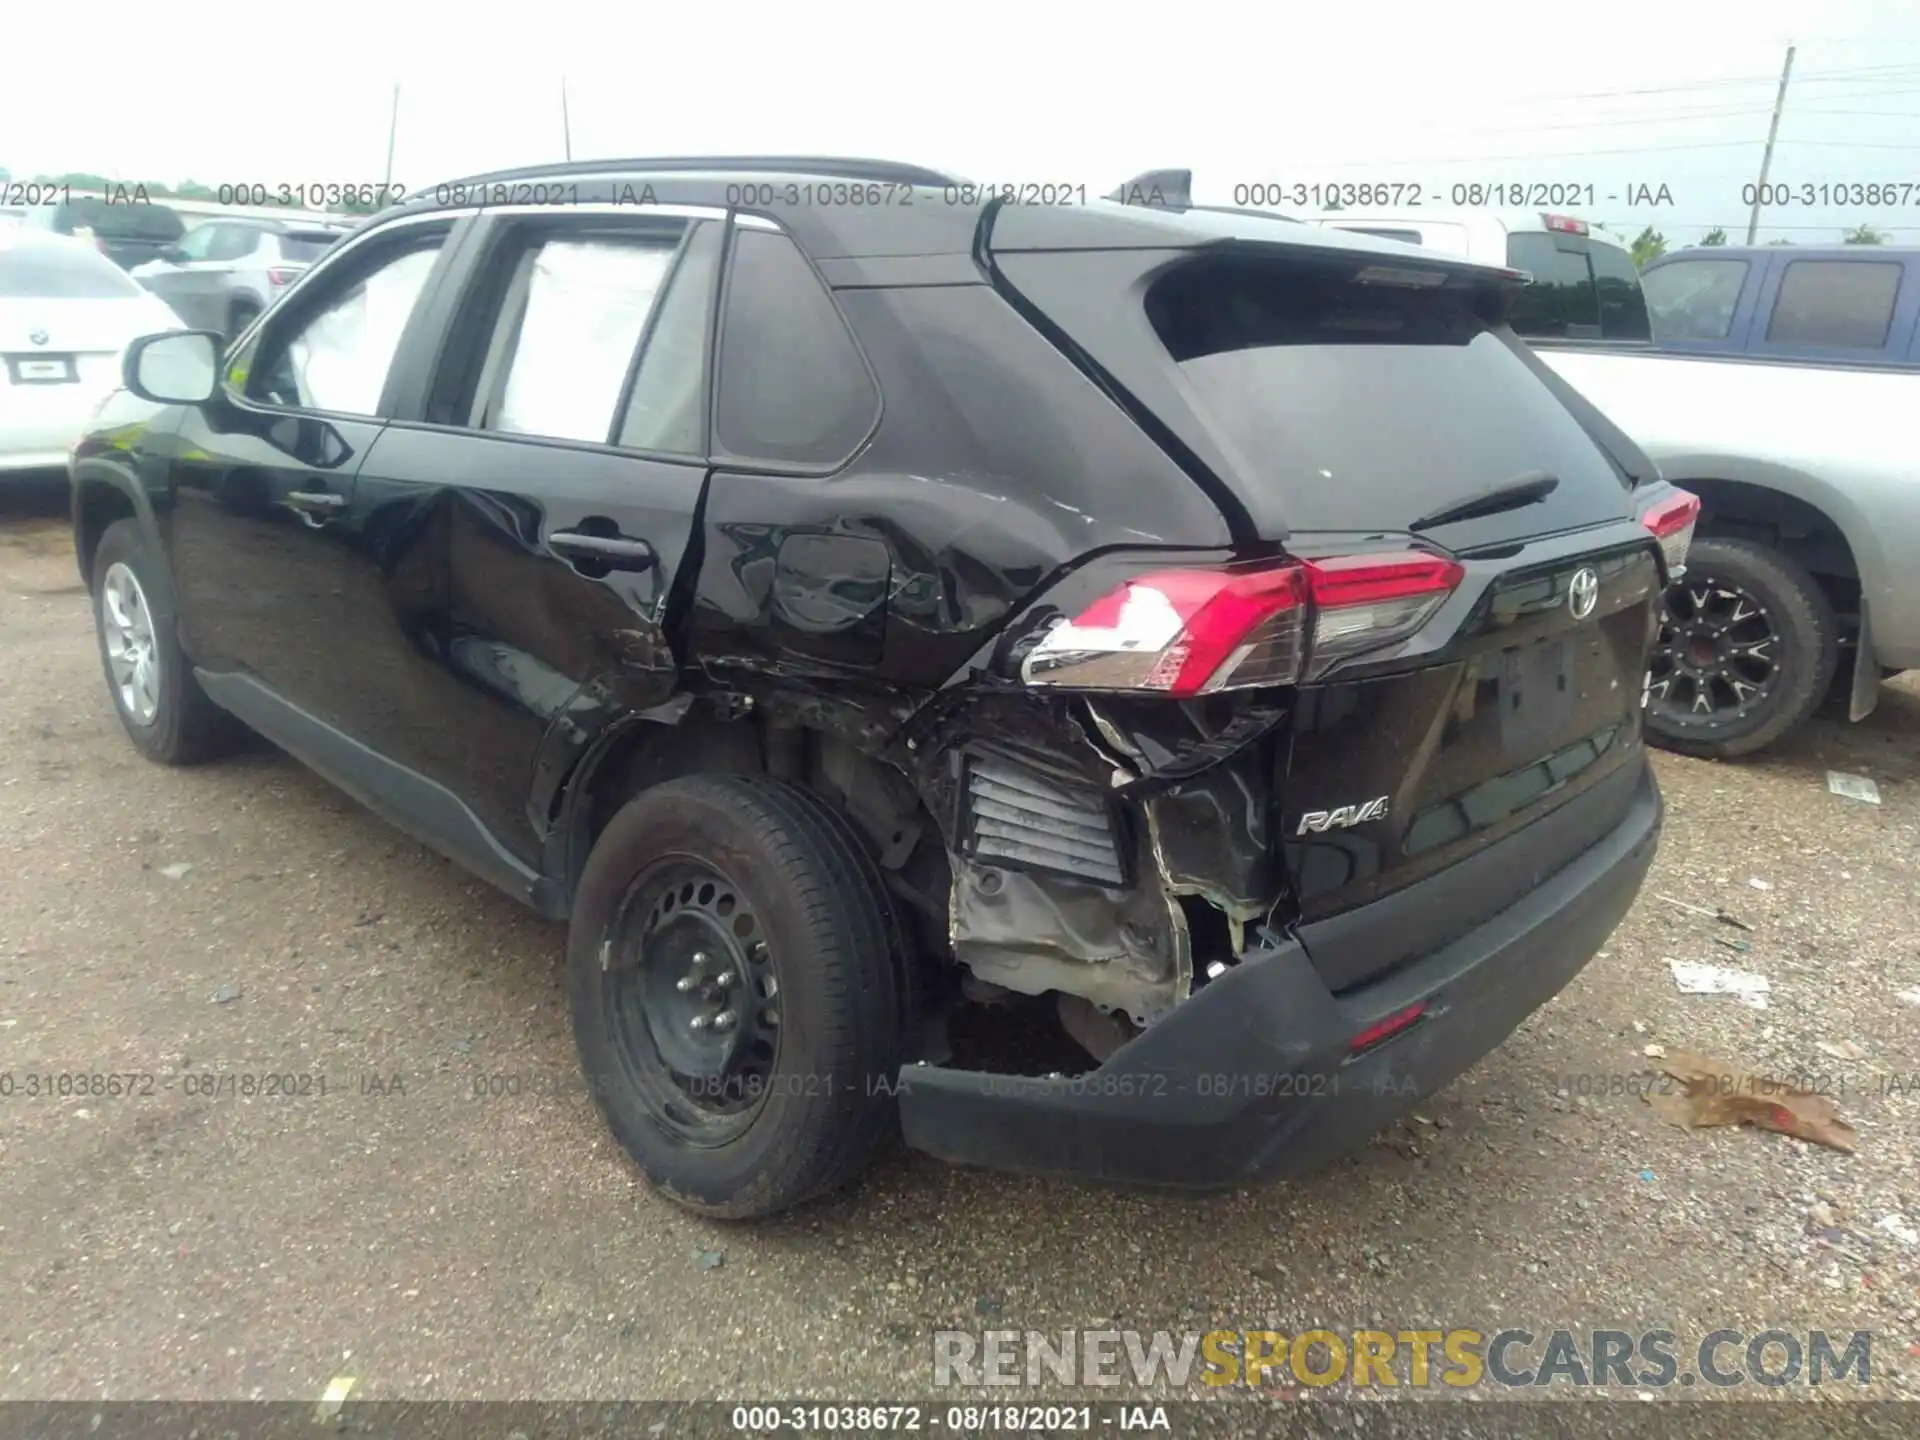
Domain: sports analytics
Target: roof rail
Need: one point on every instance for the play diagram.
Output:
(844, 167)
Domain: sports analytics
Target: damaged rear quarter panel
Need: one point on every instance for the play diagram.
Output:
(1021, 784)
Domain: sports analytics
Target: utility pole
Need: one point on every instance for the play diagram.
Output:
(393, 130)
(1766, 158)
(566, 121)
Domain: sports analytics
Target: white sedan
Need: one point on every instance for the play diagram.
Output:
(66, 314)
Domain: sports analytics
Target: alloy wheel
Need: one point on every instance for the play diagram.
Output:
(1718, 656)
(133, 655)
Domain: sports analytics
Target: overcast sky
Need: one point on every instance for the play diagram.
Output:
(1676, 93)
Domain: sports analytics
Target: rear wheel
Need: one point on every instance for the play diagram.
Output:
(734, 993)
(1748, 646)
(160, 704)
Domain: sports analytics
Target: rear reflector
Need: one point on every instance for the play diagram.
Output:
(1386, 1029)
(282, 277)
(1564, 224)
(1671, 520)
(1194, 632)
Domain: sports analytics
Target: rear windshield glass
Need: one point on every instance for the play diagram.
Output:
(308, 247)
(57, 272)
(1370, 406)
(1587, 291)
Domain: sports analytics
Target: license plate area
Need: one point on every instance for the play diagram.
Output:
(1538, 695)
(42, 370)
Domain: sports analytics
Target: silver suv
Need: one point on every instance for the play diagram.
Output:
(224, 272)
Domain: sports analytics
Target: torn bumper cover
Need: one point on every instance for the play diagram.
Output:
(1255, 1077)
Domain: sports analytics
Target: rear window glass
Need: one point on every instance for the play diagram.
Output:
(1623, 303)
(306, 248)
(1843, 303)
(124, 221)
(1591, 292)
(1368, 405)
(1695, 299)
(59, 272)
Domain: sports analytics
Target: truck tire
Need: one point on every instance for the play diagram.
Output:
(160, 704)
(1747, 649)
(734, 994)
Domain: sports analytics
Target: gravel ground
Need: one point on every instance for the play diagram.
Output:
(245, 919)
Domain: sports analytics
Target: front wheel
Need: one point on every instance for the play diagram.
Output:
(734, 993)
(1748, 646)
(160, 704)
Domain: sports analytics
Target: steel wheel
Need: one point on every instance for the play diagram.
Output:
(133, 657)
(1718, 654)
(693, 1000)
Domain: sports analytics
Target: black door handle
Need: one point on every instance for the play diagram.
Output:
(615, 550)
(316, 502)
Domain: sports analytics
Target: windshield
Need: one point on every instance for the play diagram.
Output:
(61, 272)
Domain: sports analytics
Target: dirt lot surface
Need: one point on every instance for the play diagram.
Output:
(245, 919)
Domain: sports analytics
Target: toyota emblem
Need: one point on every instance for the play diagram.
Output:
(1583, 594)
(39, 337)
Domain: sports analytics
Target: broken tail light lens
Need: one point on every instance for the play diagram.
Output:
(1182, 633)
(1671, 521)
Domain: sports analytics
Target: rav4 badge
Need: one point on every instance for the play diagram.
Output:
(1318, 821)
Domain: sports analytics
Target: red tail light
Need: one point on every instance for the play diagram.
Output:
(282, 277)
(1564, 224)
(1194, 632)
(1671, 521)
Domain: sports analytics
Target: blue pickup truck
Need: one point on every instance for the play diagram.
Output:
(1847, 304)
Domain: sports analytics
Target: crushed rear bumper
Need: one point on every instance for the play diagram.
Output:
(1253, 1077)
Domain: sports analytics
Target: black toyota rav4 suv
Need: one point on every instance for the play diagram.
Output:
(880, 616)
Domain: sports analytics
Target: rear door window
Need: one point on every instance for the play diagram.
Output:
(667, 407)
(583, 307)
(1840, 304)
(1694, 299)
(794, 389)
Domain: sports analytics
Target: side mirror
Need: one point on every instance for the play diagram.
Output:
(179, 367)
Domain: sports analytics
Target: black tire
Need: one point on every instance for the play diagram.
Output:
(794, 897)
(1802, 657)
(185, 728)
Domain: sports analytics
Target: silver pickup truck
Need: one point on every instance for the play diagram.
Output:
(1776, 384)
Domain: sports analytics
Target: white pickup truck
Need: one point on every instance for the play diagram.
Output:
(1779, 384)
